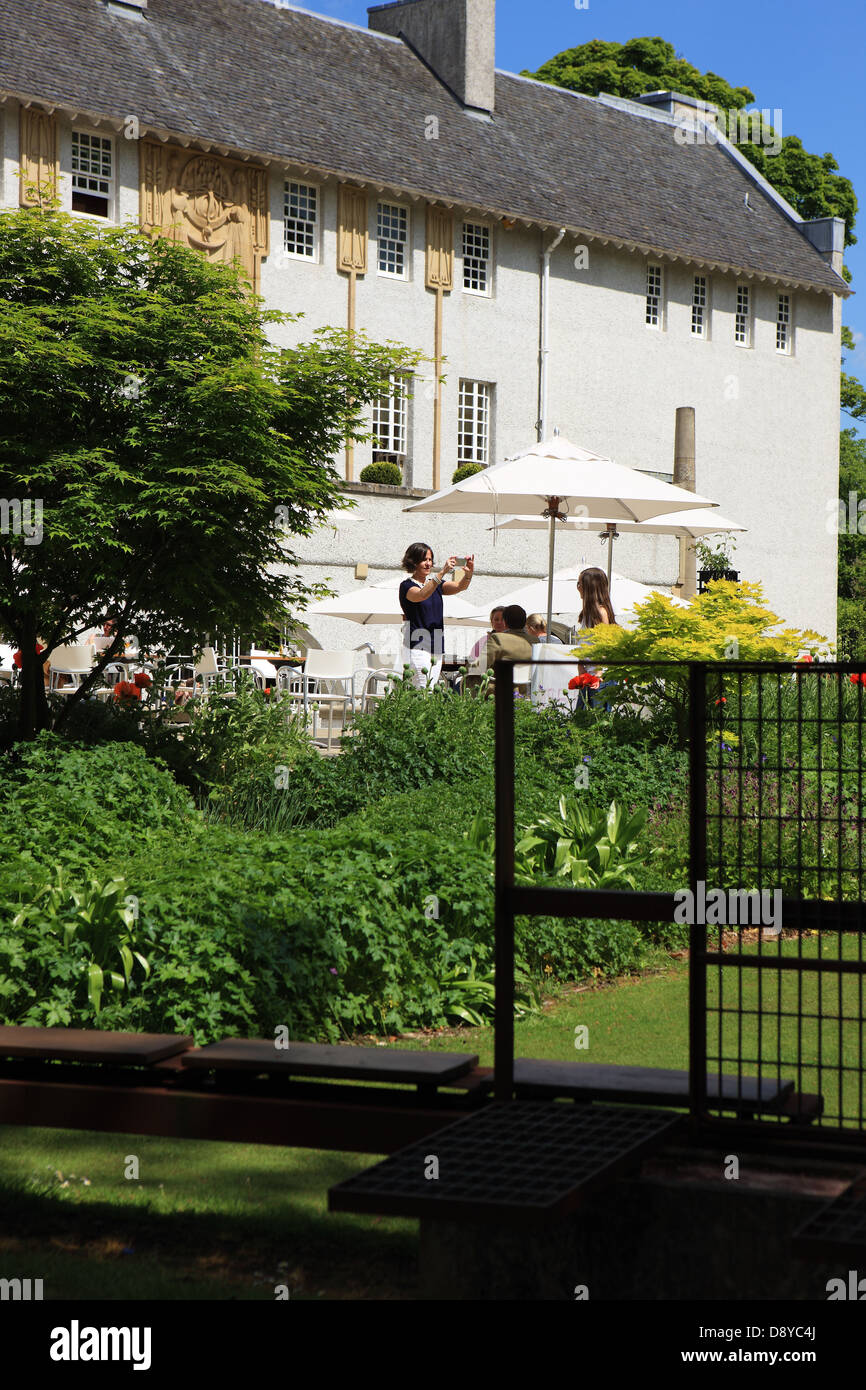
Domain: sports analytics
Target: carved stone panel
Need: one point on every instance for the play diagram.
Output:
(440, 249)
(37, 157)
(352, 230)
(214, 205)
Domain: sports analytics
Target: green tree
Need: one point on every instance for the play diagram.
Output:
(810, 182)
(171, 447)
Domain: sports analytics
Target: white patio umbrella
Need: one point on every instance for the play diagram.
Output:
(554, 478)
(693, 525)
(565, 600)
(380, 604)
(688, 525)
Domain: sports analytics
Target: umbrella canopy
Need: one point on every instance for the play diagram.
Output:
(576, 477)
(555, 477)
(532, 597)
(692, 525)
(380, 604)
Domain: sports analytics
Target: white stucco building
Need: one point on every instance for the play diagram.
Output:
(391, 180)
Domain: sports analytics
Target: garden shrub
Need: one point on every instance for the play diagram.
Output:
(82, 807)
(466, 470)
(388, 473)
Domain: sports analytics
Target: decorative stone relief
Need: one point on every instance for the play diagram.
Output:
(352, 230)
(440, 249)
(214, 205)
(37, 157)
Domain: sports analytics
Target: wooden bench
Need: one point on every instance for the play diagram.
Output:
(587, 1081)
(243, 1089)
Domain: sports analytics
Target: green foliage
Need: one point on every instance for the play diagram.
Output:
(172, 446)
(466, 470)
(632, 68)
(851, 620)
(853, 402)
(727, 621)
(717, 558)
(810, 182)
(851, 629)
(589, 851)
(93, 925)
(80, 807)
(388, 473)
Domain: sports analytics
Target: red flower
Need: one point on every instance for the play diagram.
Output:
(142, 680)
(804, 658)
(16, 658)
(584, 682)
(858, 678)
(126, 690)
(722, 701)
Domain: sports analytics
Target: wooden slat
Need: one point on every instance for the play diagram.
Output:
(595, 1081)
(325, 1059)
(90, 1045)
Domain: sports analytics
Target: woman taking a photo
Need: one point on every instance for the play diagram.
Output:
(421, 602)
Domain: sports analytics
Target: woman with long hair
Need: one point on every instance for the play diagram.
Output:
(595, 597)
(597, 610)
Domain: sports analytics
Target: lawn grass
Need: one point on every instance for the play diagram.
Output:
(227, 1221)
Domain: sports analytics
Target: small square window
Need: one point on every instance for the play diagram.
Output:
(392, 235)
(92, 173)
(476, 258)
(300, 216)
(654, 296)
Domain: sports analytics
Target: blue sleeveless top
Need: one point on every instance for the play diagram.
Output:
(426, 621)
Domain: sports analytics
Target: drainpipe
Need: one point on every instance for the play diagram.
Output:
(541, 423)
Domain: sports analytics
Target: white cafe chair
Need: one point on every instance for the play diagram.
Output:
(74, 661)
(328, 683)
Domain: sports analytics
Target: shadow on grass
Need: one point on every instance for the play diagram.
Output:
(99, 1249)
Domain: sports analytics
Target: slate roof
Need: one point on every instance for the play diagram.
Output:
(293, 86)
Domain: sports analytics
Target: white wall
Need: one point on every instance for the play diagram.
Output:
(766, 424)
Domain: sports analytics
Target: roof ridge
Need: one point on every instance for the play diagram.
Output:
(328, 19)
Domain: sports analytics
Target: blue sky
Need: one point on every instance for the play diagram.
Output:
(807, 60)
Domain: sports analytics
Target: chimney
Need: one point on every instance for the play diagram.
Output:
(684, 476)
(682, 107)
(455, 38)
(827, 235)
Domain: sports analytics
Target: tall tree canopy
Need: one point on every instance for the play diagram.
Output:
(810, 182)
(170, 447)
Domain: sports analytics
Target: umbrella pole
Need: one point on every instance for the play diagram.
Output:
(610, 536)
(554, 506)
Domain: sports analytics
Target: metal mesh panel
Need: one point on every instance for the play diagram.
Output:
(785, 961)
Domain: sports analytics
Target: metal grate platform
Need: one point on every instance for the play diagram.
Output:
(519, 1161)
(839, 1229)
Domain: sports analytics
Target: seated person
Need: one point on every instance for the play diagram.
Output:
(101, 641)
(512, 644)
(497, 624)
(536, 630)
